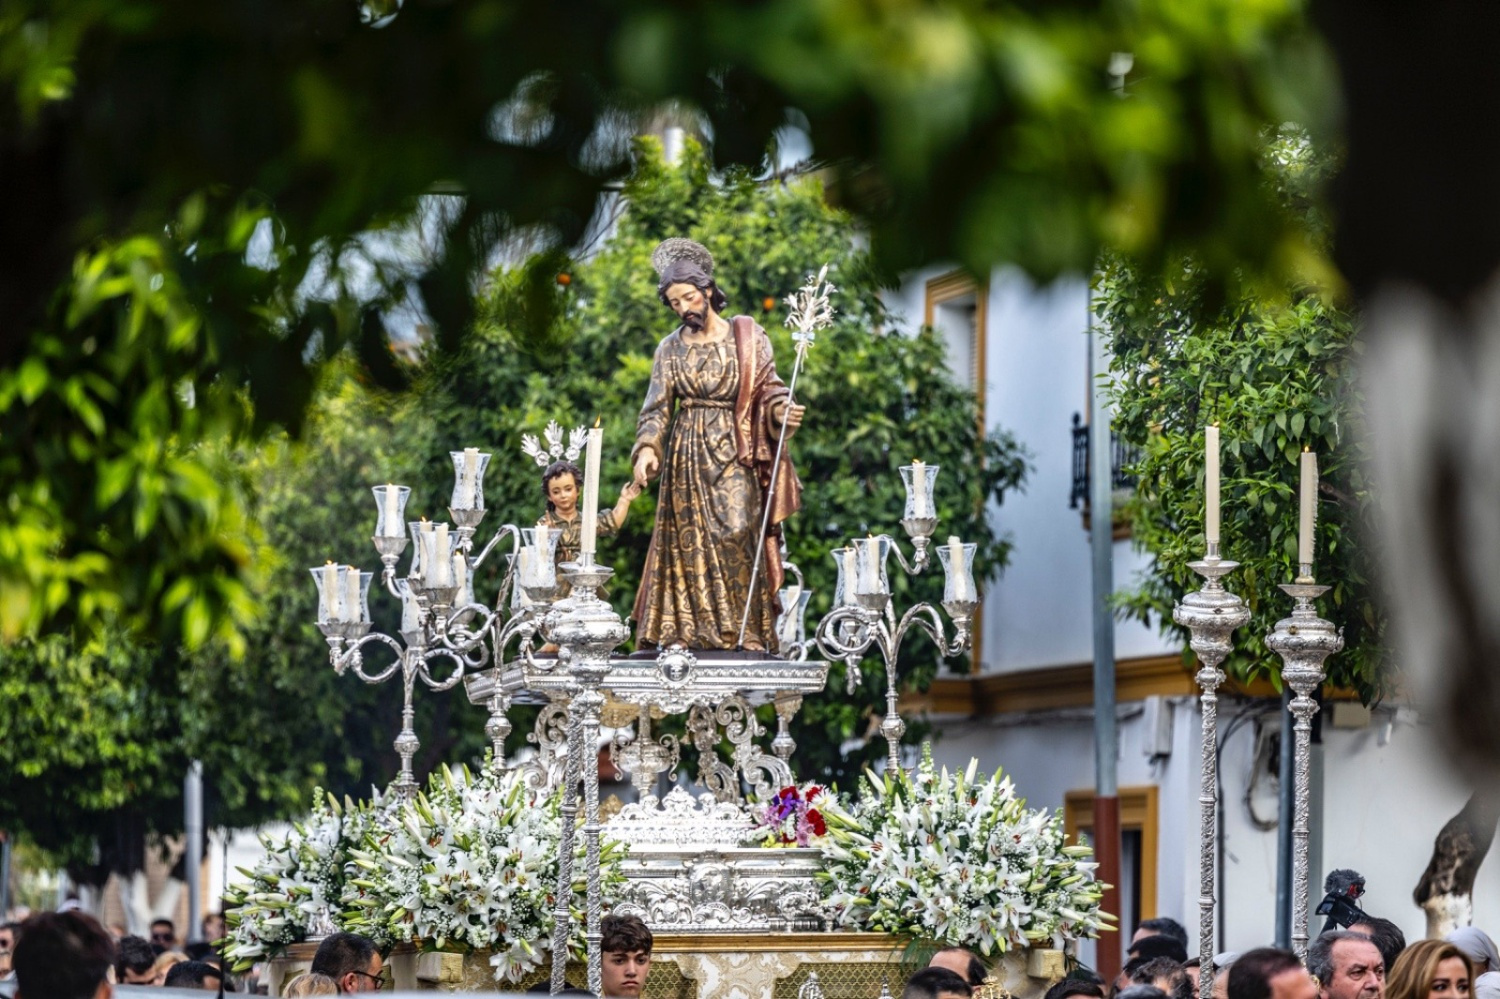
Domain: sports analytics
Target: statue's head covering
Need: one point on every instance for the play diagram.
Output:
(682, 261)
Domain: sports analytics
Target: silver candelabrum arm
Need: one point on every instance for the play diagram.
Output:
(413, 663)
(505, 529)
(849, 632)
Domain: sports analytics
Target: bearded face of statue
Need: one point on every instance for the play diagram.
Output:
(691, 304)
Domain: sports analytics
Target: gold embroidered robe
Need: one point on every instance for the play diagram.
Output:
(707, 415)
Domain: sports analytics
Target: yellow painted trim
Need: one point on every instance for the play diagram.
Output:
(1138, 812)
(945, 288)
(1072, 686)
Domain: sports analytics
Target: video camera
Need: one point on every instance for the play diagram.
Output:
(1344, 888)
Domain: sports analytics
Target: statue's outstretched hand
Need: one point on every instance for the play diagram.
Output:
(791, 416)
(646, 464)
(622, 505)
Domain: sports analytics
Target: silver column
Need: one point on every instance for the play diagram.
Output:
(1303, 641)
(1211, 615)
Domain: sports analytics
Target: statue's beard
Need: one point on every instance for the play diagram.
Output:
(695, 320)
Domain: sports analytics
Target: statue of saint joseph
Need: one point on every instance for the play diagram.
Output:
(709, 428)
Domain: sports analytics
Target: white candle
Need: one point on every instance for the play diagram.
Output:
(849, 574)
(1211, 484)
(957, 569)
(590, 511)
(872, 566)
(1309, 508)
(921, 505)
(460, 573)
(352, 608)
(391, 528)
(524, 566)
(471, 472)
(442, 558)
(330, 593)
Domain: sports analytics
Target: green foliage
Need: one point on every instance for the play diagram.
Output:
(109, 425)
(1278, 374)
(92, 758)
(875, 400)
(269, 718)
(83, 736)
(973, 132)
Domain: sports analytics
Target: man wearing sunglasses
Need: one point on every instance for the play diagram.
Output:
(163, 935)
(351, 961)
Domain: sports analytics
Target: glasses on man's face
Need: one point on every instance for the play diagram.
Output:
(161, 938)
(375, 980)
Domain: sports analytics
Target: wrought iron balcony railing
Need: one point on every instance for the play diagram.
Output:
(1121, 456)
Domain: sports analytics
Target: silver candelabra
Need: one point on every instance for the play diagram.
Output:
(1211, 615)
(864, 616)
(1303, 641)
(440, 617)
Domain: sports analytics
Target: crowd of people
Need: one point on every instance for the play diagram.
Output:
(1370, 959)
(69, 955)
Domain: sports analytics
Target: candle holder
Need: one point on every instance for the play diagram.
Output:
(843, 590)
(791, 624)
(1303, 641)
(440, 618)
(919, 518)
(389, 538)
(538, 563)
(960, 597)
(869, 620)
(466, 506)
(437, 566)
(1211, 614)
(872, 588)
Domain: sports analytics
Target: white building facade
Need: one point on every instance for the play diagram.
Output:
(1382, 790)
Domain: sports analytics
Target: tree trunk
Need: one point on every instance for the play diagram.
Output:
(1446, 890)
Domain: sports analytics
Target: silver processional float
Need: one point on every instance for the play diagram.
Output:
(551, 639)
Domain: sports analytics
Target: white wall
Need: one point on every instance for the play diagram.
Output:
(1387, 792)
(1037, 614)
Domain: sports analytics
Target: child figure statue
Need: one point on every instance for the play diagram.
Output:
(562, 485)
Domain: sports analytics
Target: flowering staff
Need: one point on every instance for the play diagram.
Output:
(810, 312)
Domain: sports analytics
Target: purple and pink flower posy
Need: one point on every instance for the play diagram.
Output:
(791, 818)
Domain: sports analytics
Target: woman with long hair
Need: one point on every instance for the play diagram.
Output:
(1430, 969)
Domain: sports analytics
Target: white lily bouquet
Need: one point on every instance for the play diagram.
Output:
(472, 865)
(944, 857)
(294, 890)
